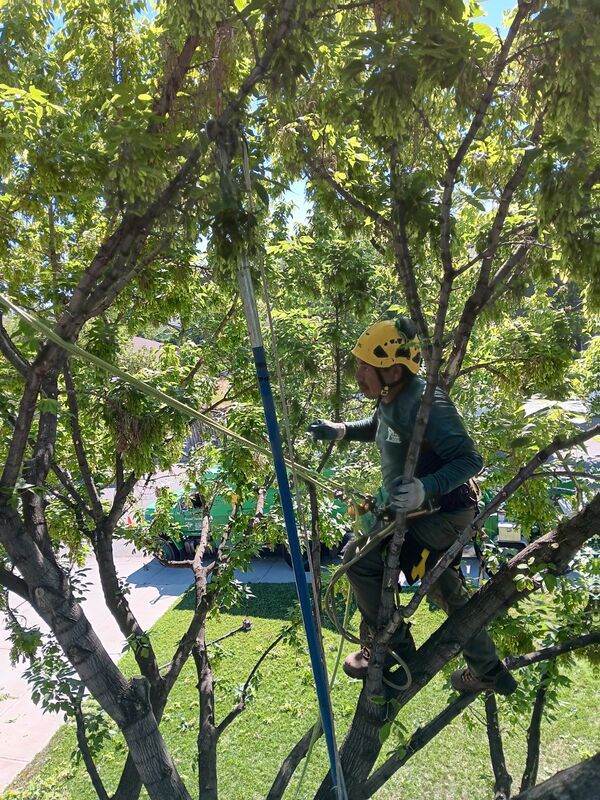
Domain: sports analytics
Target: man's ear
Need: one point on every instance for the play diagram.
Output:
(394, 373)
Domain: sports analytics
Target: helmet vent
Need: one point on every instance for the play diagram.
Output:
(379, 352)
(401, 352)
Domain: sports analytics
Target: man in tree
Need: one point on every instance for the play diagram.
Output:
(388, 357)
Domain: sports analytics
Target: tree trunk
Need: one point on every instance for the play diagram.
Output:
(575, 783)
(127, 702)
(360, 748)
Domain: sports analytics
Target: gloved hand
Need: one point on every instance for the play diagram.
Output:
(324, 430)
(407, 495)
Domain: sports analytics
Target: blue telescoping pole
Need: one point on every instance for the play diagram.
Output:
(262, 373)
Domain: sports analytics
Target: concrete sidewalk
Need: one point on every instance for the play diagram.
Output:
(24, 729)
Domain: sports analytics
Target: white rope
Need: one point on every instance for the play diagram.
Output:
(145, 388)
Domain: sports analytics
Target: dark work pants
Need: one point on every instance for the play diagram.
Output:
(436, 532)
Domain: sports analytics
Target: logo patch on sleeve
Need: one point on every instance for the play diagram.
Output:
(392, 436)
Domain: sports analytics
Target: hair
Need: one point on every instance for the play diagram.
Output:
(406, 326)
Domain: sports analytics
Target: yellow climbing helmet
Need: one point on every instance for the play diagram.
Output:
(389, 342)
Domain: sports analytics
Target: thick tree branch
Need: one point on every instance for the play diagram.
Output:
(13, 583)
(574, 783)
(173, 82)
(12, 353)
(555, 550)
(134, 228)
(532, 761)
(424, 735)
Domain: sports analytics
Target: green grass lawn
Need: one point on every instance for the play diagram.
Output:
(455, 766)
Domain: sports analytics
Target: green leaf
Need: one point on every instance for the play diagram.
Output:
(550, 581)
(520, 441)
(262, 193)
(377, 700)
(384, 732)
(47, 404)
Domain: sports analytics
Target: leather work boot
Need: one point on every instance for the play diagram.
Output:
(498, 679)
(356, 664)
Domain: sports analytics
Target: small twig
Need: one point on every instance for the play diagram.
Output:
(321, 172)
(431, 129)
(77, 439)
(242, 18)
(215, 335)
(242, 704)
(84, 747)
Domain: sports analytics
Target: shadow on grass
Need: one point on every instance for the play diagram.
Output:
(269, 601)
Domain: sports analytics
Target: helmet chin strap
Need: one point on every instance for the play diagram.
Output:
(385, 387)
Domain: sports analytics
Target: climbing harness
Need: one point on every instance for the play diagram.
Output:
(372, 541)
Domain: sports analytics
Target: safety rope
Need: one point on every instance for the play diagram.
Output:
(326, 484)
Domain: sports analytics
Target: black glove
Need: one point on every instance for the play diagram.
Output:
(324, 430)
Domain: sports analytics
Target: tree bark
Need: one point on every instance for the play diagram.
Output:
(503, 779)
(532, 762)
(207, 731)
(126, 701)
(575, 783)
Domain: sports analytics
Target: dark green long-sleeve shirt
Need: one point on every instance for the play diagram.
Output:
(448, 455)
